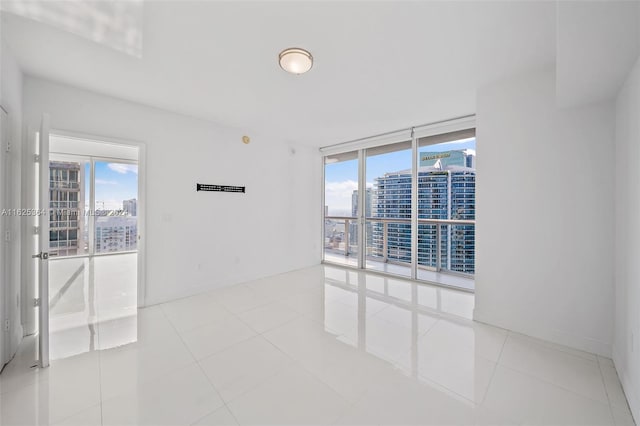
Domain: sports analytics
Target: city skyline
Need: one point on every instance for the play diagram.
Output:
(446, 190)
(70, 226)
(341, 178)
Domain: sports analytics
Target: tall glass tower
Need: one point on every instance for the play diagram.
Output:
(446, 190)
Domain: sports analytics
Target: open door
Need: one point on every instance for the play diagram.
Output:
(43, 233)
(4, 291)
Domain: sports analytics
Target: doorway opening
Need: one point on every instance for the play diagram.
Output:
(94, 230)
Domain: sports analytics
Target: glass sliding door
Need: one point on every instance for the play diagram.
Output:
(404, 204)
(446, 208)
(341, 208)
(388, 208)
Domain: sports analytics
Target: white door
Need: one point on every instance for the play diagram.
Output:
(4, 252)
(43, 255)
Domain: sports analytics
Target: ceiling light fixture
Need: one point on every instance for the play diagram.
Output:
(295, 60)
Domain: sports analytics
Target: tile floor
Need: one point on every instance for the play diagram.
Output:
(321, 345)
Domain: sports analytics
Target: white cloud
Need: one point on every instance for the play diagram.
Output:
(337, 195)
(123, 168)
(105, 182)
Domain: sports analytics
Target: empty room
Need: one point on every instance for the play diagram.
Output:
(319, 212)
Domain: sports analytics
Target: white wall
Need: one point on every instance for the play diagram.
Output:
(11, 100)
(200, 241)
(627, 250)
(544, 212)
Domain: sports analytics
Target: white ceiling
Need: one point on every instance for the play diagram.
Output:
(378, 66)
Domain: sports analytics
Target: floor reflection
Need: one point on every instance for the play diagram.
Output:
(91, 299)
(424, 331)
(404, 270)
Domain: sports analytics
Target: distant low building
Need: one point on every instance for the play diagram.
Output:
(116, 233)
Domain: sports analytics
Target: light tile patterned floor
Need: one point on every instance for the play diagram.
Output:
(323, 345)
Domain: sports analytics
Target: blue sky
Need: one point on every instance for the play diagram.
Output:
(114, 182)
(342, 178)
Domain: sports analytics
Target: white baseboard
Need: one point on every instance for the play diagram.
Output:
(559, 337)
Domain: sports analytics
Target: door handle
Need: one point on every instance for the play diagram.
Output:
(43, 255)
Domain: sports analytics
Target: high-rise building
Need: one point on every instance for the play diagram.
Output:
(353, 227)
(459, 157)
(130, 206)
(65, 193)
(446, 190)
(354, 202)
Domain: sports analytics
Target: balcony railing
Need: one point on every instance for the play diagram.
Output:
(444, 245)
(60, 184)
(63, 204)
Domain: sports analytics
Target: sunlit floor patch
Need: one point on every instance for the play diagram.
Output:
(88, 295)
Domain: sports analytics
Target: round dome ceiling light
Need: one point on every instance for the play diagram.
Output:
(295, 60)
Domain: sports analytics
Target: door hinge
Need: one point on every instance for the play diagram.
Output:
(6, 325)
(8, 146)
(36, 158)
(7, 236)
(36, 302)
(36, 230)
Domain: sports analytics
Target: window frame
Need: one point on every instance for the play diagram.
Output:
(419, 137)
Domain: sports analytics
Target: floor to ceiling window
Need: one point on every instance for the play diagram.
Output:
(405, 204)
(446, 208)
